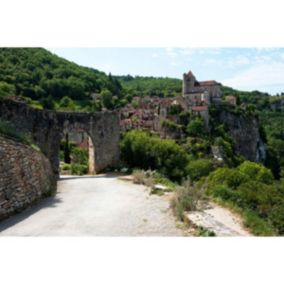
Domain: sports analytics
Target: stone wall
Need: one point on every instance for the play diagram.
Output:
(47, 129)
(25, 176)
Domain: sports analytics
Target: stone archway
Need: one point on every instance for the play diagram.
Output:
(46, 127)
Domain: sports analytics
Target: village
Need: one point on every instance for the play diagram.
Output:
(149, 113)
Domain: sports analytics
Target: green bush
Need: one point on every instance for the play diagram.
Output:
(202, 232)
(80, 156)
(141, 150)
(66, 167)
(256, 171)
(187, 198)
(230, 177)
(276, 217)
(250, 188)
(8, 129)
(225, 193)
(199, 168)
(258, 226)
(196, 127)
(77, 169)
(7, 89)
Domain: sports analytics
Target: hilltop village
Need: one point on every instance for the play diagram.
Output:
(153, 113)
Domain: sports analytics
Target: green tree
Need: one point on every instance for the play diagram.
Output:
(199, 168)
(140, 149)
(256, 171)
(196, 127)
(7, 89)
(47, 103)
(107, 99)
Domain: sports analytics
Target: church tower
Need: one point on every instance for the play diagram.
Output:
(188, 82)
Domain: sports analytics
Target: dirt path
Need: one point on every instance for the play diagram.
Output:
(95, 206)
(218, 219)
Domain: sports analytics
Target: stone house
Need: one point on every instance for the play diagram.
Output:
(211, 89)
(150, 112)
(203, 112)
(232, 100)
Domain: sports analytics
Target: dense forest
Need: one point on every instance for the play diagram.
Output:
(48, 81)
(151, 86)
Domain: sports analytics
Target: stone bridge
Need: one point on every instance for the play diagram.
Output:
(47, 128)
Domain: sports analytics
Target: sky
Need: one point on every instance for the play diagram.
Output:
(241, 68)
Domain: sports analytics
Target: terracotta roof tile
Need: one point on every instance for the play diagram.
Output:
(199, 108)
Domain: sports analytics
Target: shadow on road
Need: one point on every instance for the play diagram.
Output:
(13, 220)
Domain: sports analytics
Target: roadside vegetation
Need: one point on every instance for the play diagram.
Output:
(248, 188)
(8, 130)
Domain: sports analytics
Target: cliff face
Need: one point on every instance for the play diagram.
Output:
(246, 135)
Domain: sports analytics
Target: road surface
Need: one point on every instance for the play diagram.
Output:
(100, 205)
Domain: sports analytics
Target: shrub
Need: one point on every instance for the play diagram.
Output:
(256, 171)
(196, 127)
(67, 103)
(250, 188)
(141, 150)
(7, 89)
(199, 168)
(257, 225)
(77, 169)
(187, 198)
(139, 176)
(79, 155)
(276, 217)
(202, 232)
(225, 193)
(66, 167)
(7, 129)
(142, 177)
(229, 177)
(48, 103)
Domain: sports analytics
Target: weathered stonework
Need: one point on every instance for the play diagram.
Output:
(47, 129)
(25, 176)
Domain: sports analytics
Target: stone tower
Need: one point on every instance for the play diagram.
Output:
(188, 82)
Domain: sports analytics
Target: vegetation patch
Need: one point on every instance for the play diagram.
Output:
(251, 188)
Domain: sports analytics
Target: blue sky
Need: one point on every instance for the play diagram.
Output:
(242, 68)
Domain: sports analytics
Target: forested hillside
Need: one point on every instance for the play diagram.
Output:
(50, 81)
(151, 86)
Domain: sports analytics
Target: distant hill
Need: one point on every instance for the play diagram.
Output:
(151, 86)
(36, 73)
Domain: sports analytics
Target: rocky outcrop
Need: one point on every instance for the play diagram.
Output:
(26, 176)
(245, 133)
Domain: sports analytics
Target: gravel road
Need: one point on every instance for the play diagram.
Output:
(100, 205)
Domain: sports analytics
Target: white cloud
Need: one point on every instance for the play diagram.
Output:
(171, 52)
(211, 61)
(155, 55)
(263, 77)
(174, 63)
(281, 55)
(239, 61)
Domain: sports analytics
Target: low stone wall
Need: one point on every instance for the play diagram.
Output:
(26, 176)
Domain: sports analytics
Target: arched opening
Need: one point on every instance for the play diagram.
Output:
(77, 152)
